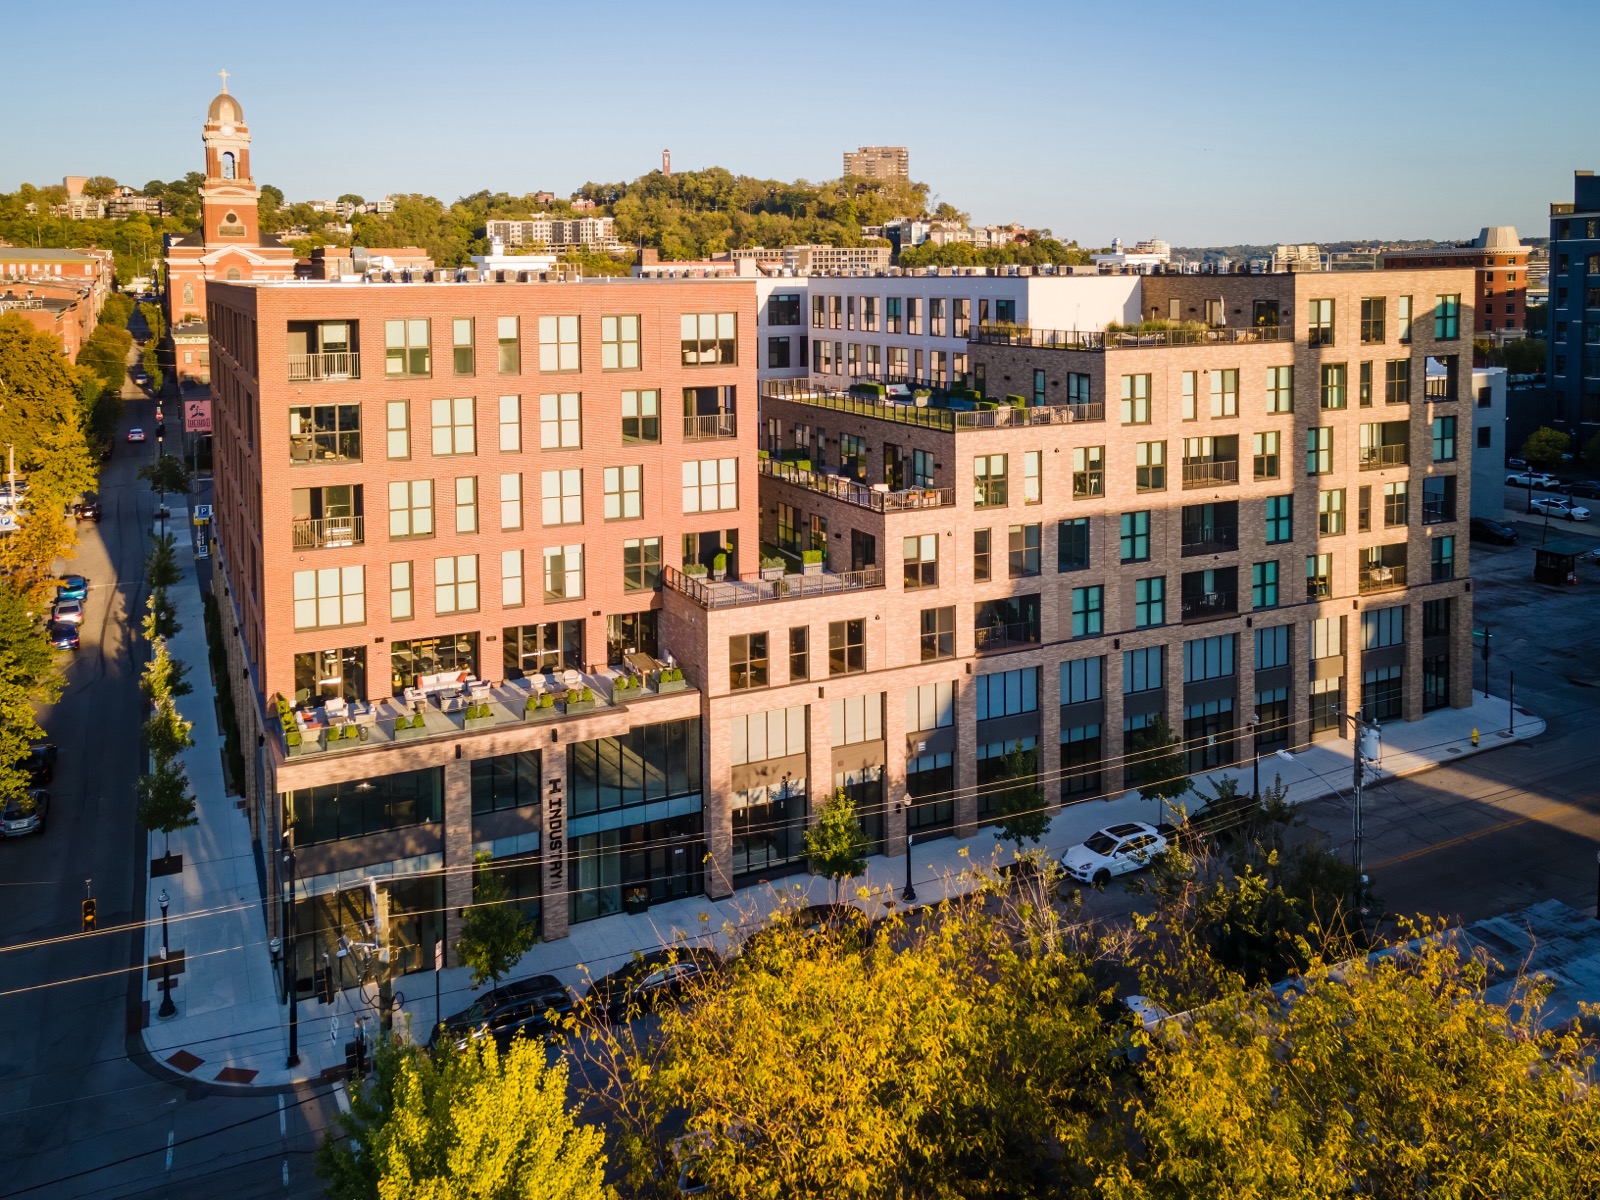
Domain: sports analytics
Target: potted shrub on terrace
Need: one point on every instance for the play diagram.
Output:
(478, 716)
(670, 679)
(811, 562)
(408, 729)
(719, 567)
(772, 568)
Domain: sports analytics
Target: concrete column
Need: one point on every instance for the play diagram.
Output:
(1049, 756)
(717, 817)
(966, 807)
(1462, 663)
(457, 851)
(1244, 697)
(558, 881)
(894, 770)
(1411, 691)
(1300, 689)
(1111, 685)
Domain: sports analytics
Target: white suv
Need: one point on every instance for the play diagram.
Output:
(1115, 850)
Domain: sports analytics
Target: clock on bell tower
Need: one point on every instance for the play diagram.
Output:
(228, 196)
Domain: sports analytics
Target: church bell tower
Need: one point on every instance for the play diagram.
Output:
(229, 194)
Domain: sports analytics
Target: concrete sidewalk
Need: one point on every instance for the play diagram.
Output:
(231, 1027)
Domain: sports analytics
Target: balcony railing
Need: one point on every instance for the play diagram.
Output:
(989, 638)
(325, 447)
(1207, 606)
(1202, 473)
(328, 532)
(903, 412)
(1439, 388)
(1098, 341)
(1209, 539)
(737, 593)
(876, 497)
(1375, 458)
(314, 368)
(709, 427)
(1436, 511)
(1383, 578)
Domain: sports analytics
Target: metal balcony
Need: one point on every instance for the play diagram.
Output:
(1209, 473)
(329, 366)
(710, 427)
(328, 532)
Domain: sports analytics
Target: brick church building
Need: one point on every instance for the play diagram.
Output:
(229, 243)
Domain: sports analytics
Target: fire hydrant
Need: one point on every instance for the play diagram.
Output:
(1474, 735)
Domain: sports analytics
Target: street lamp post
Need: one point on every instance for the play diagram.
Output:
(168, 1008)
(275, 948)
(1254, 725)
(290, 984)
(909, 896)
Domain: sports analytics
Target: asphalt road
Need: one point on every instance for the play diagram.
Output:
(82, 1112)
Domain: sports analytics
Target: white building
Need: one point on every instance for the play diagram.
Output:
(557, 233)
(1145, 256)
(1488, 441)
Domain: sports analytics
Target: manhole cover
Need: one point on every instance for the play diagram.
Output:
(1452, 750)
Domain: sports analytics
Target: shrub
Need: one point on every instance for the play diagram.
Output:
(546, 700)
(586, 695)
(868, 389)
(811, 556)
(292, 738)
(533, 703)
(769, 562)
(696, 570)
(350, 733)
(763, 454)
(720, 563)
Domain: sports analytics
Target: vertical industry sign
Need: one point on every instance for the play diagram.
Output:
(197, 416)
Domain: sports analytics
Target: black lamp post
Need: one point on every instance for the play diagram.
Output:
(168, 1008)
(275, 948)
(909, 896)
(1254, 725)
(290, 984)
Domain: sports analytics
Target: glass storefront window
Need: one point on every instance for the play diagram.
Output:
(649, 762)
(768, 828)
(331, 812)
(931, 782)
(432, 656)
(552, 646)
(635, 866)
(330, 674)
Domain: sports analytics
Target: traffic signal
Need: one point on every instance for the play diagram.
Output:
(88, 915)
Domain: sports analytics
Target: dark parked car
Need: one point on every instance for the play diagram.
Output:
(1484, 530)
(533, 1006)
(40, 763)
(649, 980)
(89, 510)
(22, 817)
(1586, 489)
(62, 635)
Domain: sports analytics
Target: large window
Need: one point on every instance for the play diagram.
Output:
(560, 421)
(454, 430)
(1319, 323)
(455, 583)
(1150, 466)
(1149, 602)
(402, 599)
(511, 579)
(856, 719)
(1264, 584)
(1208, 658)
(1319, 450)
(1444, 439)
(511, 501)
(709, 339)
(711, 485)
(1136, 536)
(324, 433)
(847, 651)
(398, 428)
(505, 781)
(1081, 680)
(1447, 317)
(1023, 556)
(329, 598)
(1007, 693)
(328, 674)
(989, 480)
(1382, 693)
(562, 496)
(1225, 392)
(799, 653)
(1272, 647)
(938, 633)
(563, 572)
(1072, 544)
(624, 493)
(747, 661)
(1330, 512)
(549, 646)
(641, 416)
(1142, 669)
(1280, 389)
(1443, 558)
(649, 762)
(461, 346)
(1088, 604)
(1280, 519)
(1397, 381)
(406, 350)
(334, 811)
(449, 653)
(1334, 392)
(783, 308)
(558, 343)
(1268, 459)
(508, 345)
(1136, 399)
(619, 343)
(921, 559)
(1088, 471)
(1372, 314)
(511, 423)
(641, 564)
(930, 706)
(1383, 627)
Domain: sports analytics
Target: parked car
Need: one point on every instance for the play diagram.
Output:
(1593, 555)
(531, 1006)
(1482, 529)
(10, 496)
(72, 587)
(140, 378)
(1552, 507)
(40, 763)
(63, 635)
(1516, 464)
(136, 434)
(1115, 850)
(650, 979)
(88, 510)
(24, 816)
(1588, 489)
(70, 611)
(1532, 479)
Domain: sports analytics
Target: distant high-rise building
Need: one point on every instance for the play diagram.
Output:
(1574, 364)
(1501, 261)
(878, 162)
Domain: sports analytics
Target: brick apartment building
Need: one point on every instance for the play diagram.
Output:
(1210, 523)
(1500, 262)
(878, 162)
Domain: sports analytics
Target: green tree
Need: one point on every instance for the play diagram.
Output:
(99, 186)
(836, 846)
(29, 679)
(1160, 766)
(153, 320)
(473, 1125)
(116, 310)
(161, 563)
(165, 805)
(105, 352)
(1537, 321)
(160, 617)
(1591, 454)
(150, 359)
(1524, 357)
(1399, 1077)
(166, 473)
(351, 198)
(163, 676)
(166, 733)
(1020, 806)
(495, 933)
(1544, 447)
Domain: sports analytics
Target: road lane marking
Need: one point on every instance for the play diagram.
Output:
(286, 1172)
(170, 1136)
(342, 1100)
(283, 1121)
(1468, 837)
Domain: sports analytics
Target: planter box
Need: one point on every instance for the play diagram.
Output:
(623, 695)
(540, 714)
(811, 568)
(308, 745)
(479, 722)
(771, 574)
(408, 734)
(343, 743)
(664, 686)
(636, 900)
(579, 706)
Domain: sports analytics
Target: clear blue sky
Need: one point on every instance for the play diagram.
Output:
(1200, 123)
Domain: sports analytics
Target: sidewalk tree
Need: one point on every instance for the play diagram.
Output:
(29, 679)
(166, 733)
(473, 1125)
(495, 933)
(1020, 806)
(160, 618)
(836, 846)
(116, 310)
(1544, 447)
(1160, 766)
(105, 353)
(167, 473)
(153, 321)
(161, 564)
(1400, 1077)
(165, 805)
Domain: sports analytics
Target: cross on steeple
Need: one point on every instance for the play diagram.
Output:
(224, 75)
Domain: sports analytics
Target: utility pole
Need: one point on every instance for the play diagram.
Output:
(1362, 729)
(290, 962)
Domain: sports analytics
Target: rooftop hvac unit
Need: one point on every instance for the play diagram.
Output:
(524, 276)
